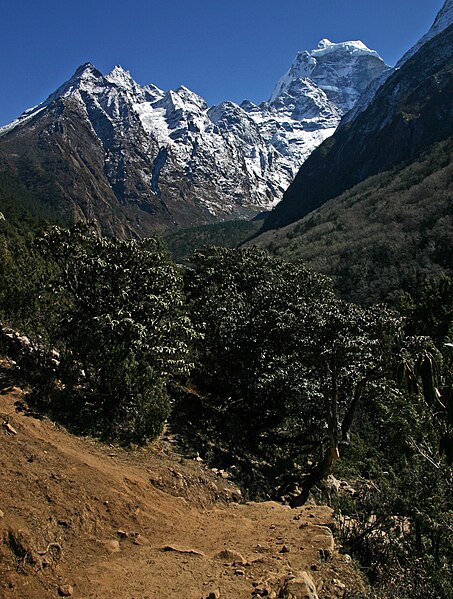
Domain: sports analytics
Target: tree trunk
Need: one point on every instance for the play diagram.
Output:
(350, 412)
(318, 473)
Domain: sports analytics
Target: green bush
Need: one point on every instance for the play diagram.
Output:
(283, 363)
(119, 324)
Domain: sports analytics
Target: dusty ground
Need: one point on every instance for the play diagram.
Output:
(94, 521)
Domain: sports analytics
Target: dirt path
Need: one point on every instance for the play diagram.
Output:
(98, 522)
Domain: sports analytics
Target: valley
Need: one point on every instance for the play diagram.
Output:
(226, 332)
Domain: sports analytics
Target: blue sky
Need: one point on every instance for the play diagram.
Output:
(221, 49)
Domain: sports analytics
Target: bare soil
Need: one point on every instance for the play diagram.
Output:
(93, 521)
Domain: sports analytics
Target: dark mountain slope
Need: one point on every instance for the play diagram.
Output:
(383, 235)
(60, 160)
(183, 242)
(19, 209)
(412, 110)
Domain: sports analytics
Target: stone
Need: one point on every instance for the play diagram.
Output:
(285, 549)
(346, 488)
(122, 533)
(324, 542)
(300, 587)
(214, 594)
(10, 429)
(1, 514)
(332, 484)
(184, 550)
(141, 541)
(263, 590)
(230, 556)
(110, 545)
(65, 590)
(347, 558)
(239, 572)
(21, 543)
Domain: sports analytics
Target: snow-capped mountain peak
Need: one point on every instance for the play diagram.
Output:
(167, 148)
(86, 71)
(325, 46)
(324, 43)
(342, 70)
(85, 76)
(121, 77)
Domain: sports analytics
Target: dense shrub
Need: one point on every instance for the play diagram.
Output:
(283, 362)
(119, 325)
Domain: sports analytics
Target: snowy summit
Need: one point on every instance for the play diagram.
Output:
(231, 160)
(343, 70)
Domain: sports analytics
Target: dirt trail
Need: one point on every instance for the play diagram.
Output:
(93, 521)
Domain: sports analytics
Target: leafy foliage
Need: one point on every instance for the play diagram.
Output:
(400, 524)
(120, 329)
(283, 362)
(429, 310)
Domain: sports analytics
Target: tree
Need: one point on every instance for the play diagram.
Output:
(428, 368)
(351, 355)
(284, 363)
(401, 517)
(429, 311)
(121, 329)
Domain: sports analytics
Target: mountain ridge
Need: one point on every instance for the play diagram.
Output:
(169, 159)
(442, 21)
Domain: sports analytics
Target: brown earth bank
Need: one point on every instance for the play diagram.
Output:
(83, 519)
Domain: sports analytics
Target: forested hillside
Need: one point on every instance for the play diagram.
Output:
(184, 242)
(384, 235)
(262, 371)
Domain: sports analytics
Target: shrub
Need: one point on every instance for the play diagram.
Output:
(120, 328)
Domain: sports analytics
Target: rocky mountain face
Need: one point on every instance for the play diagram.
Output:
(136, 158)
(411, 110)
(442, 21)
(309, 100)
